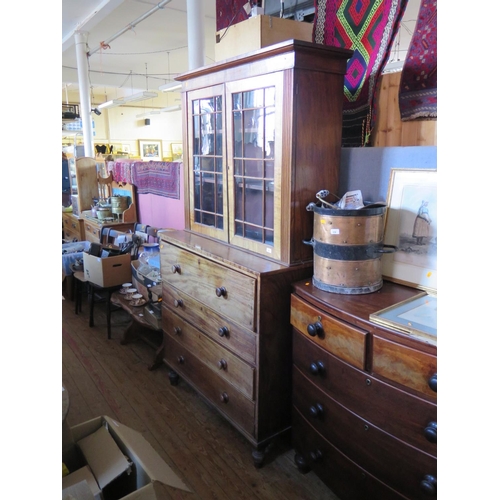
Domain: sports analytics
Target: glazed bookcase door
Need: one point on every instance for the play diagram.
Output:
(253, 120)
(208, 210)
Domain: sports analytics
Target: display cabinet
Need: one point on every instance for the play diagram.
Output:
(364, 396)
(262, 136)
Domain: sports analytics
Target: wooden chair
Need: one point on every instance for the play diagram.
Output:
(109, 235)
(152, 233)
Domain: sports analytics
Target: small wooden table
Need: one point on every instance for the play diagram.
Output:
(140, 328)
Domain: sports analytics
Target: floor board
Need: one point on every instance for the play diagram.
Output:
(104, 377)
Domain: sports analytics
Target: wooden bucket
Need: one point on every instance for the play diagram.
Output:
(348, 247)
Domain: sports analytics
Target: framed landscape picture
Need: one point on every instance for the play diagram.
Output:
(150, 150)
(411, 225)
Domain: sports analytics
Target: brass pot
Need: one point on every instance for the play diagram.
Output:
(119, 204)
(104, 213)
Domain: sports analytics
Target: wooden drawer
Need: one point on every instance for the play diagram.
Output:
(345, 341)
(217, 358)
(225, 332)
(397, 412)
(386, 457)
(224, 290)
(71, 228)
(92, 232)
(406, 366)
(338, 472)
(219, 392)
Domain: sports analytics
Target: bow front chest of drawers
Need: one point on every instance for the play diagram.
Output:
(364, 397)
(226, 331)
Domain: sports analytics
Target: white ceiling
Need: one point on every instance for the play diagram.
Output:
(153, 51)
(147, 55)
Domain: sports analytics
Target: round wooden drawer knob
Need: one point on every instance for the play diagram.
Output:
(316, 410)
(222, 364)
(221, 291)
(429, 485)
(177, 330)
(224, 331)
(433, 382)
(317, 368)
(224, 397)
(176, 268)
(314, 329)
(431, 432)
(178, 303)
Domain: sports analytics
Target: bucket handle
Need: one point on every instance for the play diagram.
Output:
(387, 249)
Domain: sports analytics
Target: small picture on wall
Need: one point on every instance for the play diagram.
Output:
(411, 225)
(150, 150)
(176, 151)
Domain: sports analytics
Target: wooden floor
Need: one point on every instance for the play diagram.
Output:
(104, 377)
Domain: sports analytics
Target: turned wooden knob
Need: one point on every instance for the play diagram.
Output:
(317, 368)
(178, 303)
(429, 485)
(314, 329)
(177, 330)
(316, 410)
(431, 432)
(224, 331)
(316, 456)
(222, 364)
(221, 291)
(224, 397)
(433, 382)
(176, 268)
(180, 359)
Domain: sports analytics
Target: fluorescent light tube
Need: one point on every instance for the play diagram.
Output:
(141, 96)
(170, 108)
(111, 104)
(148, 113)
(170, 87)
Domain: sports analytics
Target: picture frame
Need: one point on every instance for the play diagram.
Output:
(416, 317)
(411, 226)
(150, 150)
(176, 151)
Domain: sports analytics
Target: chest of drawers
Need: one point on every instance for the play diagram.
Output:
(72, 228)
(364, 397)
(226, 328)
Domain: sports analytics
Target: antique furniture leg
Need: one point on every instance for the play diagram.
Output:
(158, 359)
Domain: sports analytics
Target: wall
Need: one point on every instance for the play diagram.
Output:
(389, 130)
(162, 212)
(369, 169)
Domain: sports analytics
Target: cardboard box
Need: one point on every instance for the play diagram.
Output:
(258, 32)
(107, 271)
(81, 484)
(131, 470)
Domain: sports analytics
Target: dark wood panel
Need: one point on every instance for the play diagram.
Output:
(389, 459)
(398, 412)
(341, 474)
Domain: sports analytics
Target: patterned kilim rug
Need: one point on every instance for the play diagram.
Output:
(418, 88)
(368, 27)
(229, 12)
(157, 177)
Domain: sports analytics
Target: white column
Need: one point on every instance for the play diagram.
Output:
(196, 33)
(83, 84)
